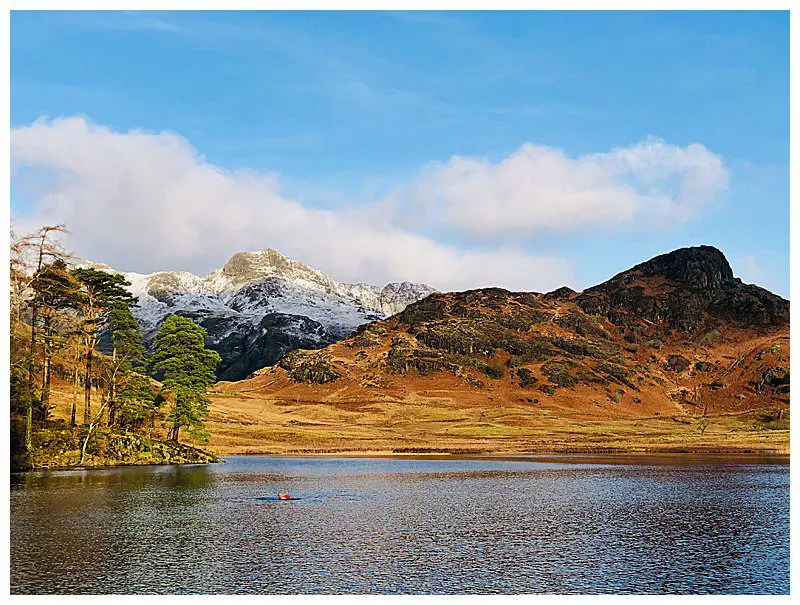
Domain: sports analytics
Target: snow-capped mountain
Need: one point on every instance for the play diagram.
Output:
(260, 305)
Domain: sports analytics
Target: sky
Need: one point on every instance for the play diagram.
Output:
(526, 150)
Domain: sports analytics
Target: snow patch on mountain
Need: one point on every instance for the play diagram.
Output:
(266, 301)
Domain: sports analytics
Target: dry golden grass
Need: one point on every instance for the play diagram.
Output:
(249, 423)
(371, 410)
(269, 415)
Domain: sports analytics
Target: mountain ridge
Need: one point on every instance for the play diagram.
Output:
(262, 304)
(667, 337)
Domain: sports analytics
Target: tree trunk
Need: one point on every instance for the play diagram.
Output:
(92, 425)
(47, 357)
(112, 405)
(34, 313)
(28, 423)
(75, 382)
(46, 386)
(29, 412)
(34, 318)
(74, 396)
(87, 393)
(112, 410)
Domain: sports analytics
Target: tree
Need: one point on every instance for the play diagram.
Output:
(28, 255)
(187, 368)
(55, 296)
(42, 247)
(23, 397)
(100, 292)
(138, 403)
(128, 351)
(126, 340)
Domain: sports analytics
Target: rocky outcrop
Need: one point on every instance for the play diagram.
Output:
(246, 267)
(688, 290)
(314, 368)
(245, 346)
(389, 300)
(563, 293)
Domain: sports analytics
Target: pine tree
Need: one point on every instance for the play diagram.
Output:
(126, 337)
(187, 368)
(128, 352)
(100, 293)
(55, 297)
(138, 403)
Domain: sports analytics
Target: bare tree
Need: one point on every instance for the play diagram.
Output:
(28, 254)
(44, 248)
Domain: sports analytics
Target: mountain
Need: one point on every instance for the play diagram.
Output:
(675, 337)
(683, 290)
(260, 305)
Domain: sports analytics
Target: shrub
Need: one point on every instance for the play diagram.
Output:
(558, 373)
(526, 378)
(677, 363)
(775, 376)
(491, 371)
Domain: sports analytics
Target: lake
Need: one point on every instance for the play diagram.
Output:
(393, 525)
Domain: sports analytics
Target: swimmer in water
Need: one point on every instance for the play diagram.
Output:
(283, 496)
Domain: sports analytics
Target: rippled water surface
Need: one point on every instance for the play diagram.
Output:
(405, 526)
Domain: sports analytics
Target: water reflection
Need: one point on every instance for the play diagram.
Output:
(403, 526)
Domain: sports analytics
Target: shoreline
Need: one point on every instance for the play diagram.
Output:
(592, 457)
(567, 451)
(595, 458)
(99, 467)
(779, 453)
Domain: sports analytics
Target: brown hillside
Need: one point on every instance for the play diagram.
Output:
(674, 354)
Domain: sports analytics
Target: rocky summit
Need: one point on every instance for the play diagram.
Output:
(683, 290)
(261, 305)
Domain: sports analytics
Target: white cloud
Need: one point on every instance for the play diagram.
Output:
(540, 188)
(144, 202)
(149, 201)
(749, 270)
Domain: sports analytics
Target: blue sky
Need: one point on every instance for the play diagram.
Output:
(349, 118)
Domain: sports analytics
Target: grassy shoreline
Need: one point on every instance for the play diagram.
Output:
(57, 446)
(346, 453)
(256, 424)
(779, 450)
(574, 456)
